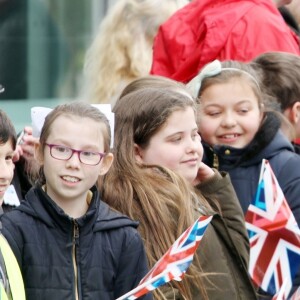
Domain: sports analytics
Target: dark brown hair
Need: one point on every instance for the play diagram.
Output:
(7, 130)
(279, 73)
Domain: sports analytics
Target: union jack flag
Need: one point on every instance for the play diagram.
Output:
(174, 263)
(296, 295)
(281, 294)
(274, 237)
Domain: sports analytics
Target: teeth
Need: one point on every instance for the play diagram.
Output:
(70, 179)
(229, 136)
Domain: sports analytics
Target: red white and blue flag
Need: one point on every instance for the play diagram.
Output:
(281, 294)
(274, 237)
(296, 295)
(175, 261)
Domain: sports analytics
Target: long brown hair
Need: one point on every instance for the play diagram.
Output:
(162, 201)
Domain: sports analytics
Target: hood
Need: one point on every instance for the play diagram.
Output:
(205, 30)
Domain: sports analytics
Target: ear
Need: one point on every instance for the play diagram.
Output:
(106, 163)
(138, 153)
(294, 115)
(38, 153)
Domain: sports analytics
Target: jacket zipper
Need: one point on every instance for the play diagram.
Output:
(74, 248)
(216, 161)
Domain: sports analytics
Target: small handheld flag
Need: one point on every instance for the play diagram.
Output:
(174, 262)
(296, 295)
(274, 236)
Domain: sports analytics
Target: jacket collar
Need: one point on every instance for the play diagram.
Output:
(98, 217)
(257, 149)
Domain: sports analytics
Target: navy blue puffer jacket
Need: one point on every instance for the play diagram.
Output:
(97, 256)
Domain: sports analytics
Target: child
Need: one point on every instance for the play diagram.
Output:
(158, 158)
(279, 73)
(69, 244)
(10, 283)
(237, 133)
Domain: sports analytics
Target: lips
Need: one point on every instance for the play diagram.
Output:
(3, 187)
(192, 160)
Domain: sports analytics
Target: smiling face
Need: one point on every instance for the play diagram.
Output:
(176, 145)
(229, 114)
(70, 180)
(6, 167)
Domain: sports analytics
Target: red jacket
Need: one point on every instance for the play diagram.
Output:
(205, 30)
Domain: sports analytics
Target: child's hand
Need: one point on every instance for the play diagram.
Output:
(18, 153)
(28, 143)
(25, 146)
(204, 173)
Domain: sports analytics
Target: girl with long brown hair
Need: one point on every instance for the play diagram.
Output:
(158, 178)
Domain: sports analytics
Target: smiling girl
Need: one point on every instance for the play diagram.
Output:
(237, 134)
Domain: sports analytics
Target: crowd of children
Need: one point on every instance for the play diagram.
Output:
(80, 219)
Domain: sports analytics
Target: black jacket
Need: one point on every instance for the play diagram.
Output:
(101, 251)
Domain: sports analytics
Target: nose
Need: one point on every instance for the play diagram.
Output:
(228, 120)
(192, 144)
(73, 161)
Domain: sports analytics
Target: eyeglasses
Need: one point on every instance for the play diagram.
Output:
(65, 153)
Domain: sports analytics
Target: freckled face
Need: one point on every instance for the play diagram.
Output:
(229, 114)
(177, 145)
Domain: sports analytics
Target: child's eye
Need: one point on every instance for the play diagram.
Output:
(195, 136)
(243, 110)
(214, 113)
(88, 154)
(176, 139)
(9, 158)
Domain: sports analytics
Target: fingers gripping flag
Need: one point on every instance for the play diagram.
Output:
(175, 261)
(274, 236)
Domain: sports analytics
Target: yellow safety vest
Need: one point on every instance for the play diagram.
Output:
(13, 273)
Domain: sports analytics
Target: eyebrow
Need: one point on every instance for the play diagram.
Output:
(180, 132)
(220, 105)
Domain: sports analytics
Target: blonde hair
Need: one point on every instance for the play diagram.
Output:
(122, 48)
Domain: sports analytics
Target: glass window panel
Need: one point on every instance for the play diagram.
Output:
(42, 48)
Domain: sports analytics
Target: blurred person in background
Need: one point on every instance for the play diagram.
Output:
(205, 30)
(122, 48)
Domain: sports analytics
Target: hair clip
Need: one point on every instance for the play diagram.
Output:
(212, 69)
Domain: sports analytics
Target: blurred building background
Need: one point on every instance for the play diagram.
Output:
(42, 48)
